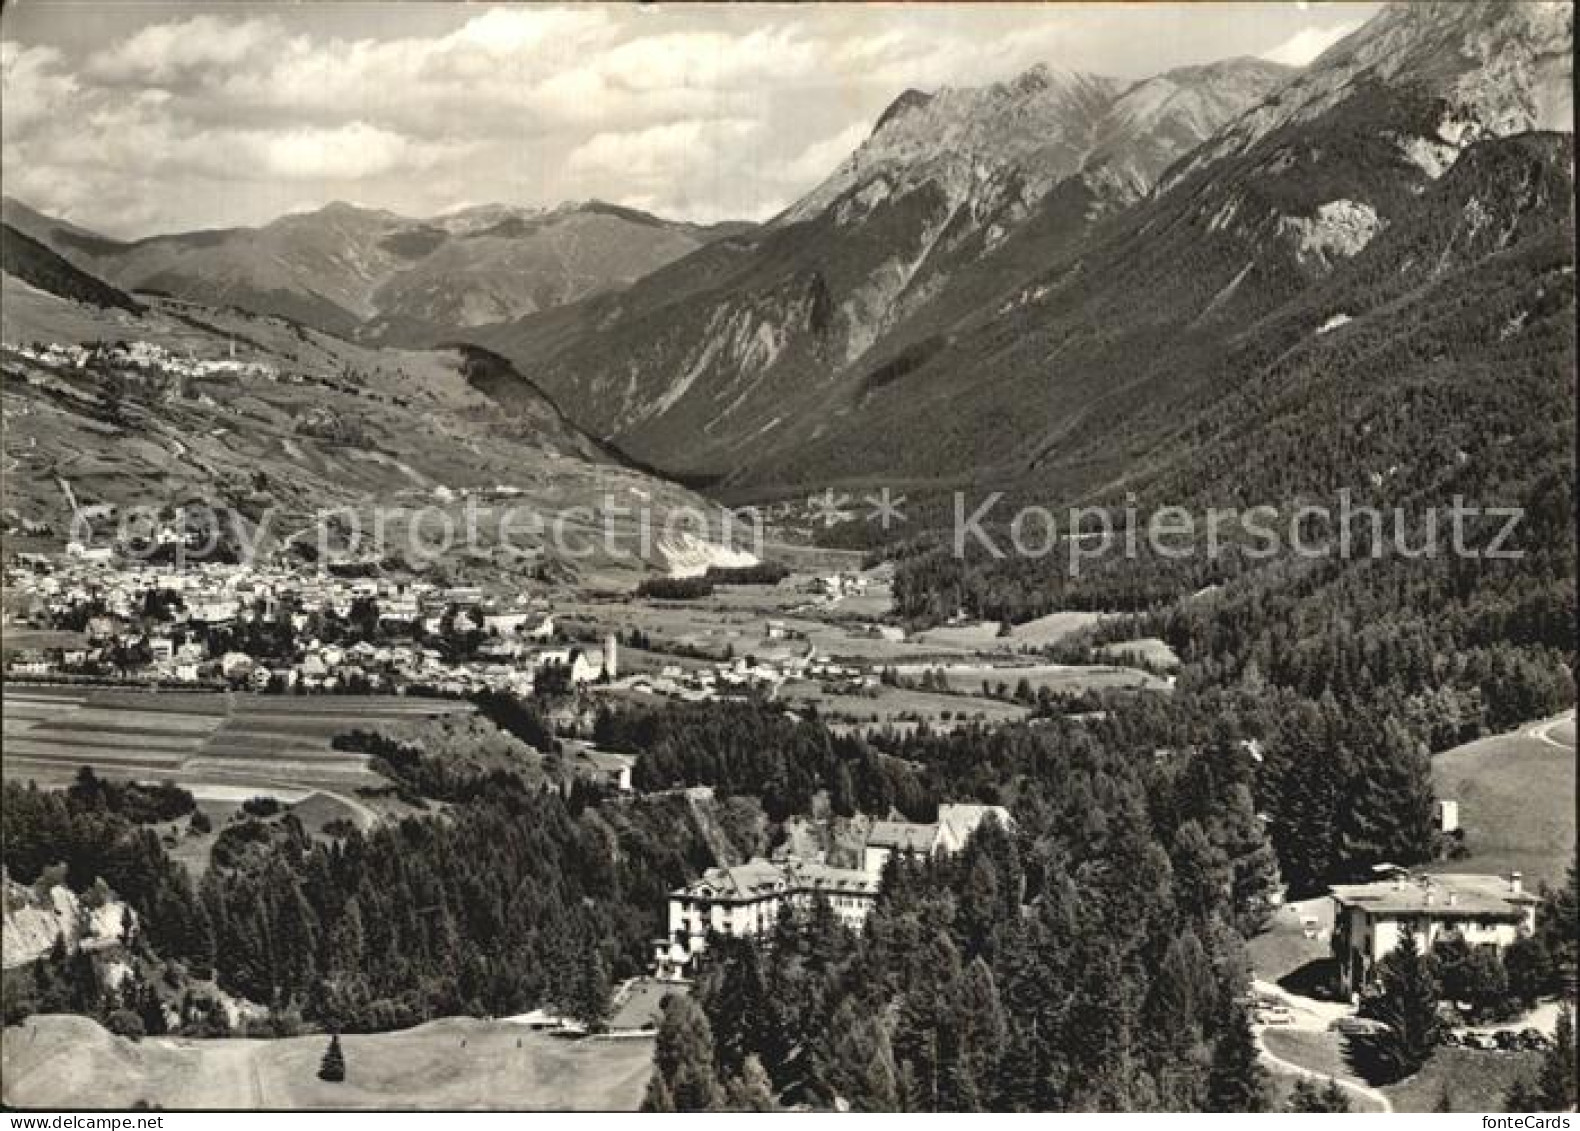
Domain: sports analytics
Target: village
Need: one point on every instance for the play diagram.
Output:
(141, 356)
(101, 614)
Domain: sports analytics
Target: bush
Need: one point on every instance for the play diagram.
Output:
(125, 1023)
(262, 806)
(675, 588)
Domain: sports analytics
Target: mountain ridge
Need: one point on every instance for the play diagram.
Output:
(359, 271)
(746, 338)
(898, 325)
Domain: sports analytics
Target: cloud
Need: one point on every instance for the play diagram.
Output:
(182, 53)
(820, 158)
(33, 88)
(1306, 44)
(660, 150)
(229, 116)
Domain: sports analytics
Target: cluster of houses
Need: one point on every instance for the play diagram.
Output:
(163, 620)
(138, 355)
(745, 900)
(837, 585)
(743, 673)
(196, 603)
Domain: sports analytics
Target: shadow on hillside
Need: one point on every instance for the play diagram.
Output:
(1317, 979)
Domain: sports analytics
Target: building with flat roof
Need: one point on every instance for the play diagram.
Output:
(1370, 919)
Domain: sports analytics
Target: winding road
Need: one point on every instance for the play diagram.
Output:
(1312, 1016)
(1369, 1094)
(1542, 732)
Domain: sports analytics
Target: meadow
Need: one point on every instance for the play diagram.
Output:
(220, 746)
(1516, 795)
(57, 1061)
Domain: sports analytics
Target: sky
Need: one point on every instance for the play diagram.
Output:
(134, 118)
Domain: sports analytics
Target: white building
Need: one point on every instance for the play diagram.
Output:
(1370, 919)
(949, 833)
(746, 899)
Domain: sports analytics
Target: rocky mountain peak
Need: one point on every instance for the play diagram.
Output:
(1038, 128)
(1494, 69)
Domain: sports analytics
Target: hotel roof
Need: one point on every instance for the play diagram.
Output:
(758, 878)
(902, 835)
(1444, 896)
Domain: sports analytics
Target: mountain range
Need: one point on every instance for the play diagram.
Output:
(1059, 284)
(1041, 281)
(368, 273)
(279, 422)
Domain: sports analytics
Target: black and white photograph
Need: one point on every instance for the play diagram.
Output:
(787, 558)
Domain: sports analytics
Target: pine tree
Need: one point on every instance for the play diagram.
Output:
(1237, 1082)
(1556, 1080)
(1307, 1097)
(859, 1065)
(742, 1012)
(751, 1090)
(880, 1088)
(590, 1000)
(1407, 1005)
(1389, 814)
(658, 1098)
(1254, 865)
(1557, 921)
(976, 1042)
(684, 1076)
(1202, 875)
(333, 1067)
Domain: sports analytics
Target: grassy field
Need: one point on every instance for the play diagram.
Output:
(1055, 677)
(1283, 948)
(1321, 1052)
(1516, 795)
(1053, 628)
(980, 636)
(1473, 1080)
(893, 705)
(459, 1063)
(1146, 650)
(237, 745)
(16, 639)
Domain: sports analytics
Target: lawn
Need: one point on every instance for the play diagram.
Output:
(457, 1063)
(1516, 797)
(643, 1004)
(1321, 1052)
(1474, 1080)
(1283, 948)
